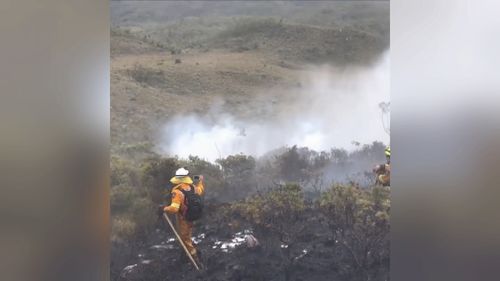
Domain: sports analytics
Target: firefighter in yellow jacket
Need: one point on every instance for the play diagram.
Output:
(383, 171)
(182, 181)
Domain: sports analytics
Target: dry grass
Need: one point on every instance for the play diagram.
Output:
(238, 62)
(122, 229)
(148, 89)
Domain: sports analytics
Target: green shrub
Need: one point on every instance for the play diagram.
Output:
(121, 198)
(359, 221)
(133, 216)
(292, 165)
(246, 27)
(143, 212)
(239, 174)
(276, 217)
(274, 210)
(136, 151)
(214, 180)
(123, 172)
(155, 175)
(123, 229)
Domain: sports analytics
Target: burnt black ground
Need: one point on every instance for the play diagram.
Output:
(323, 261)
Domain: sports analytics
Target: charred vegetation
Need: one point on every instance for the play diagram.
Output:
(337, 231)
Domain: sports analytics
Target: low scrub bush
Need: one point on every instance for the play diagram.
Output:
(123, 172)
(359, 223)
(246, 27)
(123, 229)
(148, 76)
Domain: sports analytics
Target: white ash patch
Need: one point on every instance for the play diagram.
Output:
(161, 247)
(199, 238)
(304, 252)
(128, 269)
(238, 239)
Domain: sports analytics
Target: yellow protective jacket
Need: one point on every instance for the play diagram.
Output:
(184, 183)
(385, 178)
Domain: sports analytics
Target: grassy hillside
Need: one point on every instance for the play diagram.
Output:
(226, 55)
(369, 14)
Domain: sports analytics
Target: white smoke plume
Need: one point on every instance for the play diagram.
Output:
(332, 108)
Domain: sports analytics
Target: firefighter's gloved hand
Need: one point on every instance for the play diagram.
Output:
(201, 178)
(160, 210)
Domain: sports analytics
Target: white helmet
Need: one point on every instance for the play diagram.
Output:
(182, 172)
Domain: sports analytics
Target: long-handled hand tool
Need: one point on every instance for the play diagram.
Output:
(180, 241)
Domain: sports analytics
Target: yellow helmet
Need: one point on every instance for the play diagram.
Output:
(388, 151)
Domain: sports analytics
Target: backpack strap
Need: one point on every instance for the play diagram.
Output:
(185, 192)
(192, 190)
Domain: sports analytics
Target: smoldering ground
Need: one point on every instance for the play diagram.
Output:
(333, 107)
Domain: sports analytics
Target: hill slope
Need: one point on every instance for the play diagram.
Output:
(242, 64)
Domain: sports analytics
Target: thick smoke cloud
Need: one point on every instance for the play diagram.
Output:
(332, 108)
